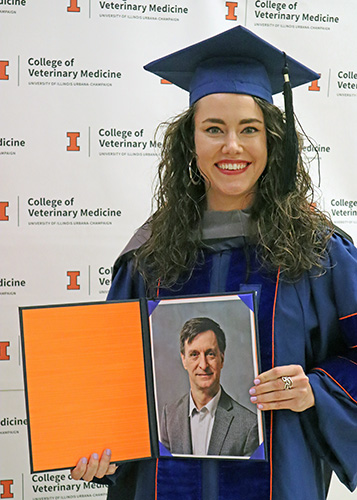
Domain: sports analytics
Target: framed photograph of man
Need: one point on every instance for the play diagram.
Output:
(205, 356)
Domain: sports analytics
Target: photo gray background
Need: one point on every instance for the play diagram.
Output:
(171, 379)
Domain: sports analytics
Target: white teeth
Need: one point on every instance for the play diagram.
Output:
(232, 166)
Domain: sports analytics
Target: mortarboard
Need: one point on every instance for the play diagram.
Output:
(238, 61)
(235, 61)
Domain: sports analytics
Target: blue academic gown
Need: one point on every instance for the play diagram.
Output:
(313, 323)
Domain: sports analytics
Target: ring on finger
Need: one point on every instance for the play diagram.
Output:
(288, 382)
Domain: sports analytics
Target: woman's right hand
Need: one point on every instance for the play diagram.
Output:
(87, 470)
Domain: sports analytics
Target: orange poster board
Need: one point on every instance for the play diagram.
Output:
(85, 383)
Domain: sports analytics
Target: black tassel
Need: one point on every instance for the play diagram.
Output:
(291, 146)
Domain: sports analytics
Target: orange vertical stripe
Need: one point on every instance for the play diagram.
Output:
(273, 320)
(273, 363)
(158, 287)
(157, 460)
(157, 469)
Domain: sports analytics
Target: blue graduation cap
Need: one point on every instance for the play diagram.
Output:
(238, 61)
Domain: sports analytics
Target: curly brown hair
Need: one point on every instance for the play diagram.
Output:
(291, 233)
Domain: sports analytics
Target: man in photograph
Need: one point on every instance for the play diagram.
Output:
(207, 421)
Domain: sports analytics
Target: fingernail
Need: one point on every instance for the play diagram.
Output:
(108, 452)
(84, 460)
(252, 391)
(260, 407)
(95, 456)
(253, 399)
(256, 381)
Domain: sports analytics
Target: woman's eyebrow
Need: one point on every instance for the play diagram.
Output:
(242, 122)
(250, 120)
(214, 120)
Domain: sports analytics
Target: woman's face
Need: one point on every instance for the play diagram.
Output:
(231, 148)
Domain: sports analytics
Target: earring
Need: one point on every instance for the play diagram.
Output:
(192, 174)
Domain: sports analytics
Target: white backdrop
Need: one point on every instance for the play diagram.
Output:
(78, 153)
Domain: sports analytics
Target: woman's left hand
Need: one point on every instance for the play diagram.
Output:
(271, 392)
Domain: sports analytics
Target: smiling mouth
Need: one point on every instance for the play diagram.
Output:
(233, 166)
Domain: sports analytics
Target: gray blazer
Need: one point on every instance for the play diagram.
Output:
(234, 433)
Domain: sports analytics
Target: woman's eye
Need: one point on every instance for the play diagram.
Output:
(213, 130)
(250, 130)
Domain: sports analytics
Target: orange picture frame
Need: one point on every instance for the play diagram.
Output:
(85, 383)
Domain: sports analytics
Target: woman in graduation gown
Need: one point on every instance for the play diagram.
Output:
(235, 212)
